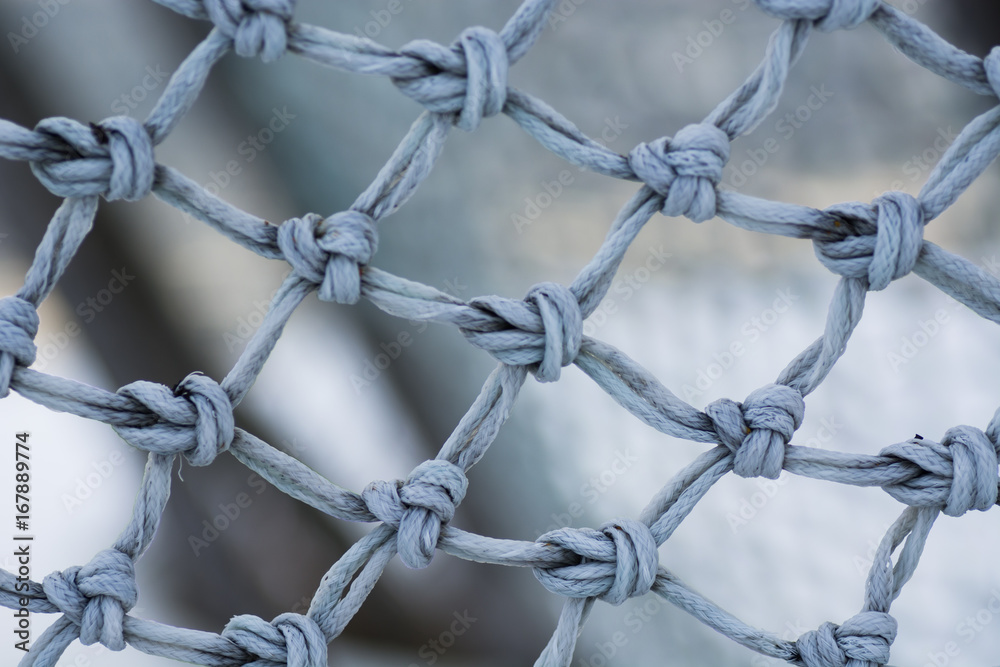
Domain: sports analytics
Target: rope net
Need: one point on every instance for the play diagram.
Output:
(869, 245)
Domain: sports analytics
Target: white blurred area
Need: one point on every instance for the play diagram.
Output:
(784, 557)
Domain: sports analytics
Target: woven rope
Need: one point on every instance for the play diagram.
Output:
(463, 84)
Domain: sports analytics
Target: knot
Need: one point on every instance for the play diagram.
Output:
(290, 639)
(686, 169)
(113, 158)
(827, 15)
(757, 430)
(418, 507)
(546, 329)
(959, 473)
(96, 597)
(991, 63)
(18, 328)
(562, 323)
(330, 252)
(617, 562)
(257, 27)
(468, 78)
(889, 236)
(195, 419)
(862, 641)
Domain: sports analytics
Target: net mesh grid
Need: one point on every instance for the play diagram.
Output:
(869, 245)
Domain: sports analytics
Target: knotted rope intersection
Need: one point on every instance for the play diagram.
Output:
(869, 245)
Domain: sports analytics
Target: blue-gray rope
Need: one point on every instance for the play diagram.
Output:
(869, 245)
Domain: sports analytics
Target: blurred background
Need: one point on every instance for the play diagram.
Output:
(499, 214)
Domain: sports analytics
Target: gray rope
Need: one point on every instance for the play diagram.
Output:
(869, 245)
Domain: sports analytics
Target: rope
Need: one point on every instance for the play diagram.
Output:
(869, 245)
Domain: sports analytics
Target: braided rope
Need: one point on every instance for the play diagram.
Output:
(463, 84)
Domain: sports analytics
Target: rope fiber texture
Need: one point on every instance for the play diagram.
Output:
(869, 245)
